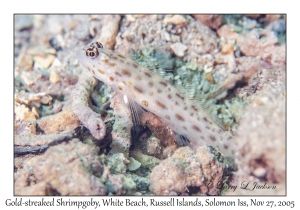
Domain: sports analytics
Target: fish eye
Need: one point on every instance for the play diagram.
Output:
(96, 45)
(92, 52)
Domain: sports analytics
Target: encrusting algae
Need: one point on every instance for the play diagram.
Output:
(139, 86)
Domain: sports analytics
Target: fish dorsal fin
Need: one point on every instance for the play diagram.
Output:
(158, 61)
(203, 103)
(158, 73)
(187, 90)
(190, 92)
(167, 76)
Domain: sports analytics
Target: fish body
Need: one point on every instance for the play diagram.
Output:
(154, 94)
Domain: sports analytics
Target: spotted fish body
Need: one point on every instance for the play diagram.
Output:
(154, 94)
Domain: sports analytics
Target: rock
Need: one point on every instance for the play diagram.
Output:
(278, 26)
(58, 42)
(54, 24)
(209, 77)
(118, 184)
(62, 121)
(22, 112)
(23, 22)
(176, 19)
(142, 183)
(120, 139)
(82, 31)
(266, 47)
(166, 36)
(44, 99)
(207, 69)
(139, 15)
(212, 21)
(152, 146)
(185, 169)
(227, 32)
(130, 18)
(146, 160)
(192, 66)
(252, 45)
(44, 61)
(25, 62)
(227, 48)
(175, 38)
(30, 98)
(30, 78)
(54, 76)
(248, 24)
(133, 165)
(117, 162)
(270, 17)
(253, 16)
(262, 154)
(56, 65)
(35, 111)
(121, 133)
(25, 127)
(71, 168)
(41, 51)
(178, 49)
(259, 172)
(206, 86)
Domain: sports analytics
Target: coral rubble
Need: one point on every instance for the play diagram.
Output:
(75, 135)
